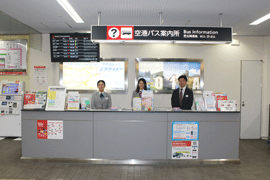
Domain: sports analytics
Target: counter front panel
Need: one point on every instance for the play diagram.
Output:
(122, 135)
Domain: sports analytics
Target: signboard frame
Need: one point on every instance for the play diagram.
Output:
(175, 34)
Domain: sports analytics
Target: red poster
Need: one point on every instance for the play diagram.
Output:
(42, 132)
(29, 99)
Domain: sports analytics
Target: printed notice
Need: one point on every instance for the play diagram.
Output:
(185, 131)
(185, 149)
(40, 76)
(55, 129)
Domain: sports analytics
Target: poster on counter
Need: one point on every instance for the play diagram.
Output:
(55, 129)
(49, 129)
(13, 57)
(185, 139)
(185, 130)
(56, 98)
(42, 132)
(185, 149)
(40, 75)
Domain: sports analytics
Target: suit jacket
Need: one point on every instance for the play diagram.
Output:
(101, 103)
(187, 100)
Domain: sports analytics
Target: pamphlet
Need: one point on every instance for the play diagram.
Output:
(85, 103)
(73, 100)
(29, 98)
(209, 100)
(220, 96)
(137, 104)
(228, 105)
(147, 100)
(35, 99)
(199, 104)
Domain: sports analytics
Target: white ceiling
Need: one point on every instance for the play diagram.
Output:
(47, 16)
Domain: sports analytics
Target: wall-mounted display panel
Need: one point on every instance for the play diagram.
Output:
(13, 57)
(162, 75)
(83, 77)
(73, 47)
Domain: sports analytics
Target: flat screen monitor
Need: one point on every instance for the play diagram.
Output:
(73, 47)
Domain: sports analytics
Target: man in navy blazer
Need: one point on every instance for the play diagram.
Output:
(187, 95)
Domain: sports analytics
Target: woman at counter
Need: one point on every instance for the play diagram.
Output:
(101, 99)
(138, 92)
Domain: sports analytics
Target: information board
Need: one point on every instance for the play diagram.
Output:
(84, 76)
(13, 57)
(162, 75)
(73, 47)
(161, 33)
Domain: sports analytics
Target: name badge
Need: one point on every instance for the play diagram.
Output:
(106, 98)
(186, 95)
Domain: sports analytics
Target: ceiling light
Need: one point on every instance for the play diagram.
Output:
(262, 19)
(70, 10)
(234, 34)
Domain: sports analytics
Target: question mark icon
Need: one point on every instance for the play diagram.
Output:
(113, 33)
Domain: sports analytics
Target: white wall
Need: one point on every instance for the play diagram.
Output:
(221, 66)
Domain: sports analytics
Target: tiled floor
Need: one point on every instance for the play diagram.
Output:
(254, 156)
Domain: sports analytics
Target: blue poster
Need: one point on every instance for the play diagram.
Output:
(185, 131)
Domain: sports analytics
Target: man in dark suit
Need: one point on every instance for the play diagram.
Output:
(182, 97)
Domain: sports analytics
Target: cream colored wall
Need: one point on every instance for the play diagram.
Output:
(221, 64)
(43, 58)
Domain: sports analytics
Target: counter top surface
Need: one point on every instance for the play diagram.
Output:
(130, 110)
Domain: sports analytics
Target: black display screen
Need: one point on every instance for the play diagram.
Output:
(73, 47)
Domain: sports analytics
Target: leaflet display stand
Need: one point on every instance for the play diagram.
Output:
(11, 102)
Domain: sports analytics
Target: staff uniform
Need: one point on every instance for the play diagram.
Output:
(101, 103)
(187, 98)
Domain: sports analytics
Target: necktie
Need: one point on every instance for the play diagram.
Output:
(180, 98)
(140, 94)
(101, 95)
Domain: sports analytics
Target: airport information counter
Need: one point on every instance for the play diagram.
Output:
(129, 136)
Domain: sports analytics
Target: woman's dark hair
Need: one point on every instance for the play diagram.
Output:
(144, 82)
(101, 81)
(182, 76)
